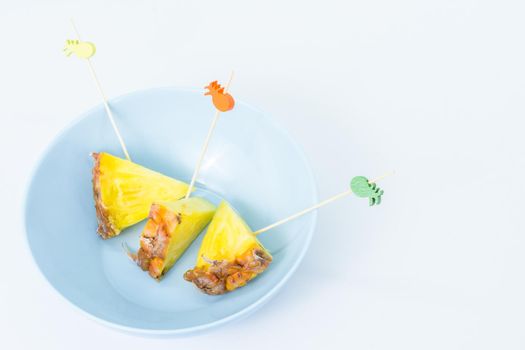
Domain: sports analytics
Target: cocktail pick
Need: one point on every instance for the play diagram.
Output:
(223, 102)
(360, 186)
(85, 50)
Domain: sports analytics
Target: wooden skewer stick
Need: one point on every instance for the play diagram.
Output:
(206, 143)
(104, 99)
(318, 205)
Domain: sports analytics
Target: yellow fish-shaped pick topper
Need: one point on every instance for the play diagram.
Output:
(83, 49)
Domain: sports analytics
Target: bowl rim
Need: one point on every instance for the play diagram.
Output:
(186, 330)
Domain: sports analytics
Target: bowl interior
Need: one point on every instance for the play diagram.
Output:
(251, 163)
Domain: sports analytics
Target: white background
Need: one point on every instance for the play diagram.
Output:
(432, 89)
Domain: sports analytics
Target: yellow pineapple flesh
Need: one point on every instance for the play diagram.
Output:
(124, 191)
(171, 228)
(230, 254)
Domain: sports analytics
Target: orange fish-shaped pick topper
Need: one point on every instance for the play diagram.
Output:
(222, 101)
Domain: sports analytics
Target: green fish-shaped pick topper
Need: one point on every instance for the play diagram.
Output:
(364, 189)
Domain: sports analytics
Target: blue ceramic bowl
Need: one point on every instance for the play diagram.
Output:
(251, 162)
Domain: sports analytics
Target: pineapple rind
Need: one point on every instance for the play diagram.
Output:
(106, 229)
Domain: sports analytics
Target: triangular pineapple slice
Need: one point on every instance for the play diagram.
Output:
(171, 228)
(124, 192)
(230, 254)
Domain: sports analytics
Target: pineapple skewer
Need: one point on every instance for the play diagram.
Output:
(172, 226)
(123, 191)
(231, 255)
